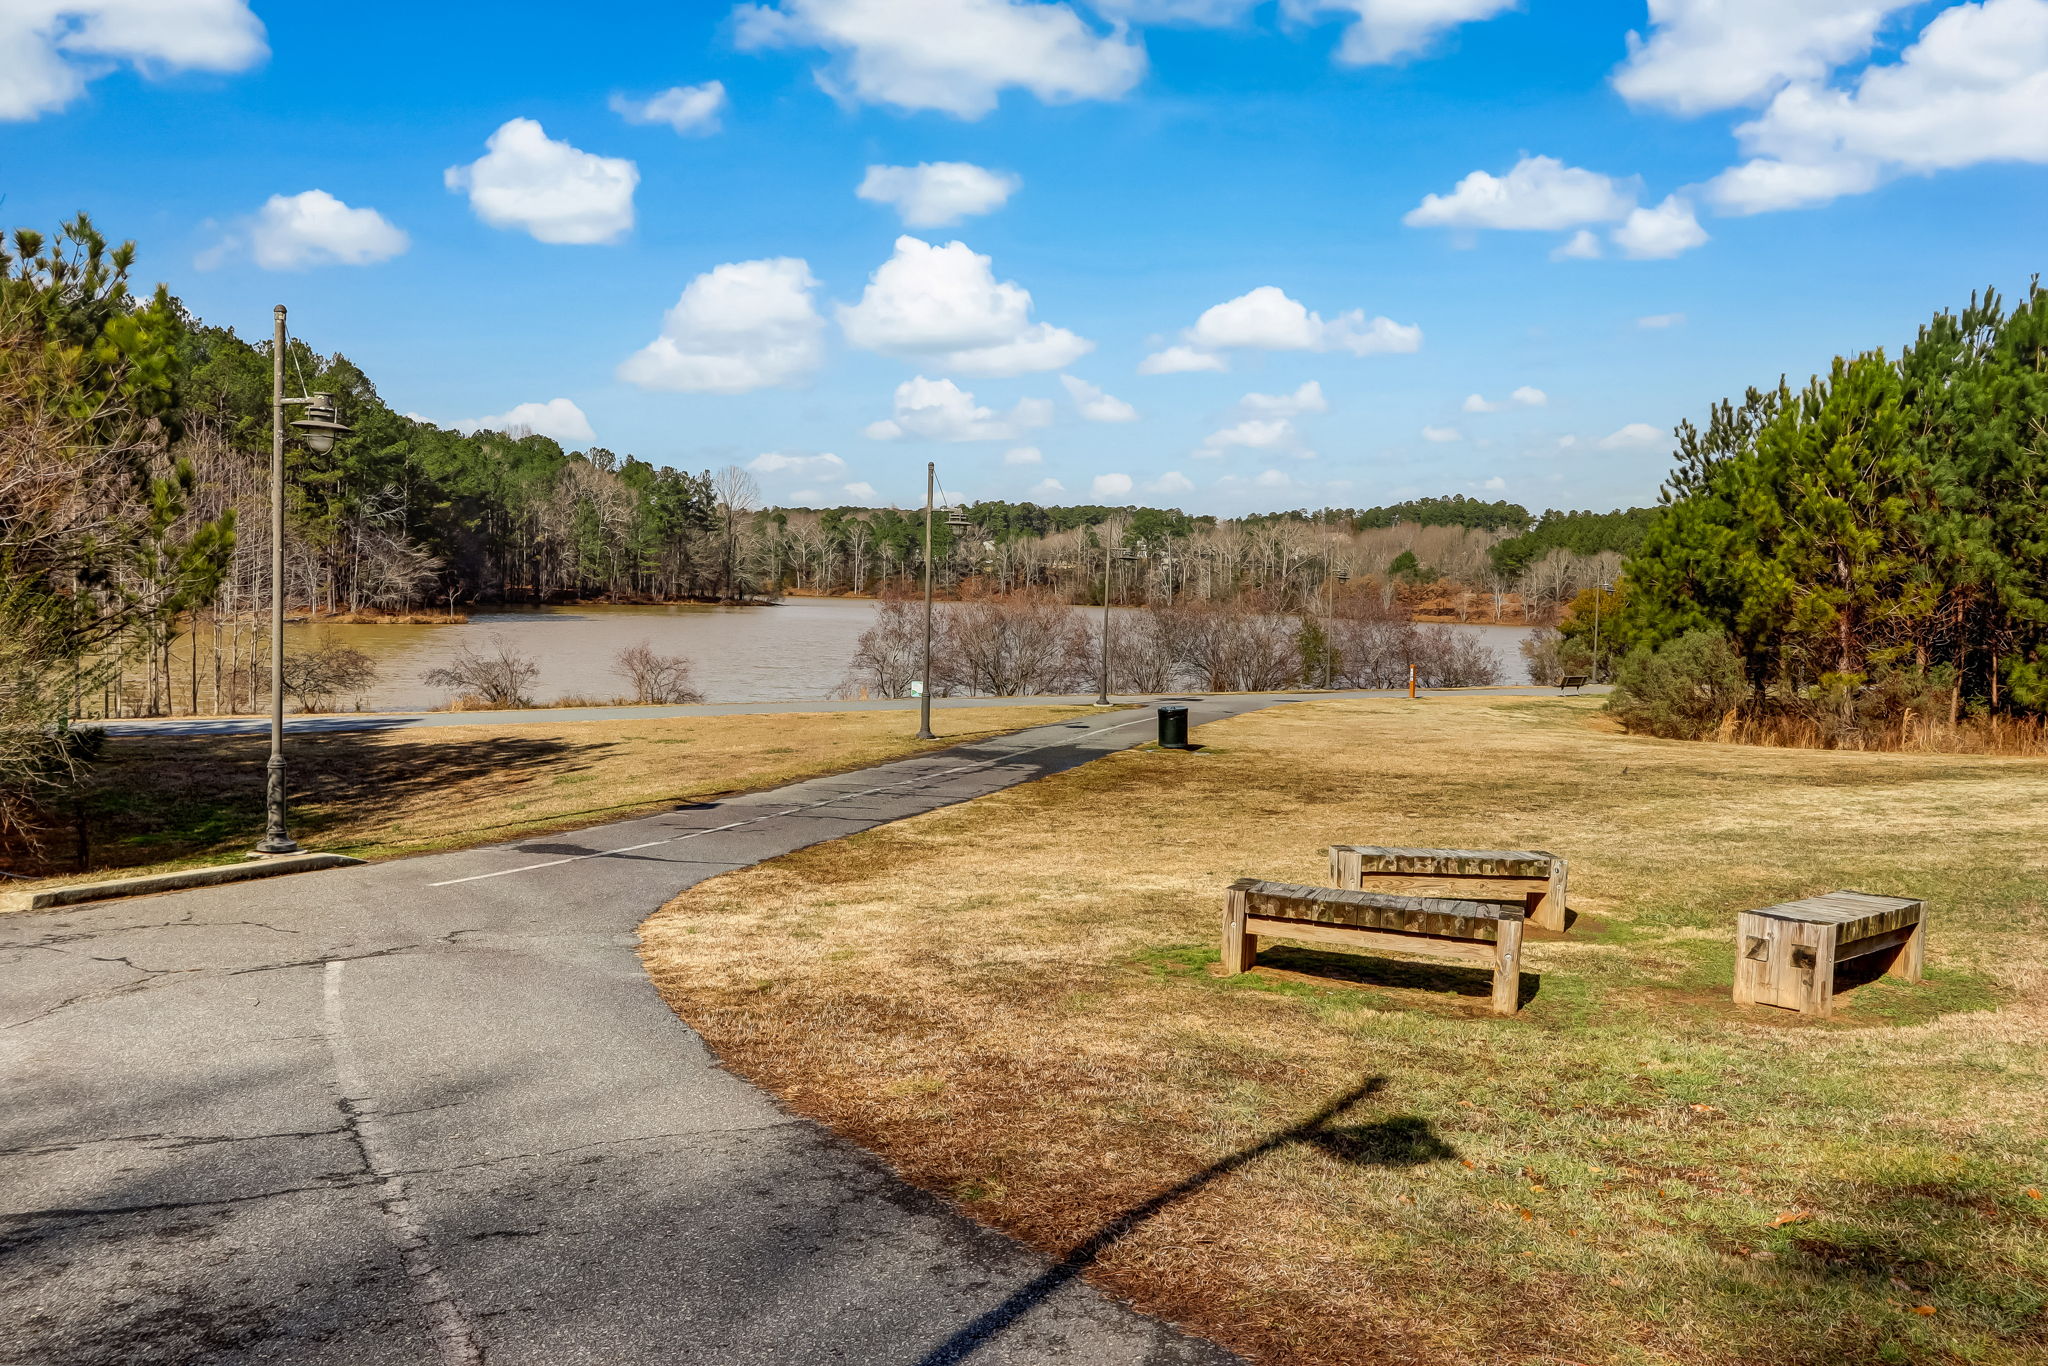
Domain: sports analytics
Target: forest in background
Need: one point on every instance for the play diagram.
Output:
(403, 517)
(1861, 561)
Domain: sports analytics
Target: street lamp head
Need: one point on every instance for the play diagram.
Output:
(321, 426)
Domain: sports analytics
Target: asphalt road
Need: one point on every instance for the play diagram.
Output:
(404, 720)
(431, 1111)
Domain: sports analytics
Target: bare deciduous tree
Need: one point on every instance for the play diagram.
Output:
(497, 678)
(656, 679)
(1011, 646)
(329, 670)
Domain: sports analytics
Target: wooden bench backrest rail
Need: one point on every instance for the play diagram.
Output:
(1488, 933)
(1351, 864)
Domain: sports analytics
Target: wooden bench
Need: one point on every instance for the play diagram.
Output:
(1351, 864)
(1786, 955)
(1486, 933)
(1573, 681)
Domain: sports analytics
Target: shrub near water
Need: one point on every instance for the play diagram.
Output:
(1681, 692)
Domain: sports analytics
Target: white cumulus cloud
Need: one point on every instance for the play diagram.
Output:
(1634, 436)
(945, 304)
(860, 492)
(940, 410)
(1972, 88)
(1719, 54)
(1111, 485)
(313, 228)
(1537, 194)
(1173, 481)
(685, 108)
(1096, 406)
(1179, 360)
(825, 466)
(1024, 455)
(954, 56)
(1440, 435)
(1583, 245)
(1276, 434)
(737, 327)
(1388, 30)
(1307, 399)
(49, 49)
(558, 418)
(528, 180)
(1668, 230)
(1527, 396)
(1657, 321)
(934, 194)
(1046, 488)
(1267, 319)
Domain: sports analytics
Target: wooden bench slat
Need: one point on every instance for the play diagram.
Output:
(1351, 864)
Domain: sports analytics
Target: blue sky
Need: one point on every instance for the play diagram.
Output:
(1201, 263)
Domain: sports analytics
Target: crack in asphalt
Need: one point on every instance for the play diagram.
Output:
(170, 1142)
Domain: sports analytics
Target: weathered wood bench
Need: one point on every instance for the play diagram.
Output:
(1487, 933)
(1351, 864)
(1573, 681)
(1786, 955)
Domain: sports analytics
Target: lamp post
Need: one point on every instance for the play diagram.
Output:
(1110, 555)
(924, 694)
(1597, 599)
(318, 429)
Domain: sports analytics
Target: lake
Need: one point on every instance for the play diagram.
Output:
(792, 651)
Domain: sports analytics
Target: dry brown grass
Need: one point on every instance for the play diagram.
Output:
(1013, 1002)
(167, 802)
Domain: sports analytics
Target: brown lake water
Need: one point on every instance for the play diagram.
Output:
(792, 651)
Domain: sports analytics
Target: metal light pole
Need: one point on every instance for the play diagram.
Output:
(319, 428)
(1597, 597)
(275, 839)
(1102, 690)
(924, 697)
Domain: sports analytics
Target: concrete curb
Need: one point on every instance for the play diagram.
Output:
(48, 898)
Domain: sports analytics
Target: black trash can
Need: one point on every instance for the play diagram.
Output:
(1173, 728)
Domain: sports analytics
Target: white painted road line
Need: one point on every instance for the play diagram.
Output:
(794, 810)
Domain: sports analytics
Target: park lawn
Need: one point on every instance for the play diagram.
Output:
(1014, 1002)
(158, 803)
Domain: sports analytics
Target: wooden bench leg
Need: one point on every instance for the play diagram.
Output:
(1346, 869)
(1240, 950)
(1910, 962)
(1507, 969)
(1813, 963)
(1546, 908)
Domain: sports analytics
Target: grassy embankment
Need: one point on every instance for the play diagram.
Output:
(1014, 1002)
(156, 803)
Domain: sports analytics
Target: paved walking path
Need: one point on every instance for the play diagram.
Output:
(401, 720)
(431, 1111)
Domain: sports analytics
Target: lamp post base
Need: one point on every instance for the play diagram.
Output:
(275, 838)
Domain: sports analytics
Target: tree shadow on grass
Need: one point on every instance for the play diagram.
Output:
(154, 800)
(1398, 1141)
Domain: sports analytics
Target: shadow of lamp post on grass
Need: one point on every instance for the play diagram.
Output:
(1397, 1141)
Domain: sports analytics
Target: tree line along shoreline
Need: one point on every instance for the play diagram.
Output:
(1842, 562)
